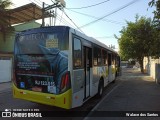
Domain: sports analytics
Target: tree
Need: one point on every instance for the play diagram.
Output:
(156, 12)
(156, 23)
(136, 40)
(5, 25)
(155, 52)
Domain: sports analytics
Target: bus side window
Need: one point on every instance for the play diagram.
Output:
(97, 56)
(113, 59)
(77, 53)
(104, 57)
(109, 59)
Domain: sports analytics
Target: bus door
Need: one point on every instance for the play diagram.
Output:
(109, 67)
(87, 72)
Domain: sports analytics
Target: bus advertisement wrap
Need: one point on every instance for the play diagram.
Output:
(40, 64)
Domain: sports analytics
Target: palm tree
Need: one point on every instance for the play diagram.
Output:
(5, 25)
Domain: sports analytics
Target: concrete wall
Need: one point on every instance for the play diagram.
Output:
(150, 66)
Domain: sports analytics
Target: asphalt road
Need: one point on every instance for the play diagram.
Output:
(132, 91)
(8, 102)
(136, 93)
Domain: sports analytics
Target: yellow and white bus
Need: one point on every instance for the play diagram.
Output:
(62, 67)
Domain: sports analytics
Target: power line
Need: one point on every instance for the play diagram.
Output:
(40, 1)
(90, 5)
(69, 19)
(35, 2)
(73, 22)
(52, 1)
(13, 5)
(61, 17)
(104, 37)
(92, 22)
(106, 20)
(64, 21)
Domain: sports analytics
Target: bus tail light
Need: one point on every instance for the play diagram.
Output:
(65, 82)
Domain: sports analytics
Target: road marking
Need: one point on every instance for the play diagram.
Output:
(105, 97)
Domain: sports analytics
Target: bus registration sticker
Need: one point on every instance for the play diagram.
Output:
(52, 89)
(52, 43)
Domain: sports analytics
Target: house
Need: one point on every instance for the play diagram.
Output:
(24, 17)
(7, 48)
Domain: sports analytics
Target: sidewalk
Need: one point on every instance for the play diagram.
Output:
(5, 86)
(136, 92)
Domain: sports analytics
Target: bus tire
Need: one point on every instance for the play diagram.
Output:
(100, 89)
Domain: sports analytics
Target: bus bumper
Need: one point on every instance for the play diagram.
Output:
(62, 100)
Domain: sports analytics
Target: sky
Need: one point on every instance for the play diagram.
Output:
(115, 13)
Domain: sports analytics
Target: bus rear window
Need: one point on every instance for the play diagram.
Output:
(40, 42)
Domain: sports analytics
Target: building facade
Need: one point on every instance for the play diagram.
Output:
(7, 48)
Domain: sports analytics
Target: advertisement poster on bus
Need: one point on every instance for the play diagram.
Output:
(40, 62)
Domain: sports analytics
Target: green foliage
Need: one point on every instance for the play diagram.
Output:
(142, 37)
(5, 25)
(156, 23)
(5, 4)
(156, 12)
(136, 39)
(155, 52)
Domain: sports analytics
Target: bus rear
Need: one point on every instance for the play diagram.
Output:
(41, 71)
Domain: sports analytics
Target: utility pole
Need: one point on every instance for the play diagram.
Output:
(43, 15)
(58, 4)
(55, 16)
(112, 46)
